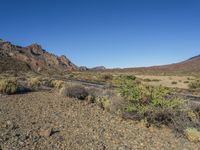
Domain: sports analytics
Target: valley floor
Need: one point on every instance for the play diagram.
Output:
(46, 120)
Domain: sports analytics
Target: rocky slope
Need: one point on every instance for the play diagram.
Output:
(48, 121)
(34, 57)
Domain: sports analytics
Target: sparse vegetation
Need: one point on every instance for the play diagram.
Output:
(8, 86)
(157, 106)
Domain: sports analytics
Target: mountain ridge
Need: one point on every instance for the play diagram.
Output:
(38, 59)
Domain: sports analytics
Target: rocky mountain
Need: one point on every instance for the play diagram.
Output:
(32, 57)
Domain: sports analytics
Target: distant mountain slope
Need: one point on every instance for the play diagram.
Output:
(190, 66)
(33, 58)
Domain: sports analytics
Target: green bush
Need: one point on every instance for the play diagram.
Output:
(134, 91)
(120, 79)
(155, 104)
(195, 84)
(8, 86)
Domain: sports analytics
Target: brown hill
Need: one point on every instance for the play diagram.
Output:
(32, 58)
(189, 67)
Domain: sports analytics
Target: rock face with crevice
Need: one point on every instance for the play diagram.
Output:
(35, 57)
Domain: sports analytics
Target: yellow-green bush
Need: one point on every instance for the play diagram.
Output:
(8, 86)
(159, 98)
(57, 84)
(123, 78)
(192, 134)
(34, 81)
(133, 91)
(195, 84)
(103, 102)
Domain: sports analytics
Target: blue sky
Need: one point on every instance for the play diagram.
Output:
(112, 33)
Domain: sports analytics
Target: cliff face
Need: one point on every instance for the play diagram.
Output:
(35, 57)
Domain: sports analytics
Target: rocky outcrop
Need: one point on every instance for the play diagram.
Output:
(36, 57)
(99, 68)
(83, 68)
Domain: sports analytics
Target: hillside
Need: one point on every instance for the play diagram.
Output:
(189, 67)
(31, 58)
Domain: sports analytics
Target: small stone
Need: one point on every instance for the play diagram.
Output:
(124, 147)
(3, 147)
(46, 132)
(7, 124)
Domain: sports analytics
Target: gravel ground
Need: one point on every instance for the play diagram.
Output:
(48, 121)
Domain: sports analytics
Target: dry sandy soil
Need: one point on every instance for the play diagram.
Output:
(48, 121)
(167, 80)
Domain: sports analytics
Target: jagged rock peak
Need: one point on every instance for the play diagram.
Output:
(36, 48)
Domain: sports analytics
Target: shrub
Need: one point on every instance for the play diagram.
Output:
(192, 134)
(103, 102)
(34, 82)
(134, 91)
(159, 98)
(57, 84)
(186, 82)
(174, 82)
(156, 105)
(107, 77)
(195, 84)
(78, 92)
(147, 80)
(8, 86)
(129, 77)
(156, 80)
(120, 79)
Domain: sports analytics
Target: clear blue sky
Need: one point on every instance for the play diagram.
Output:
(113, 33)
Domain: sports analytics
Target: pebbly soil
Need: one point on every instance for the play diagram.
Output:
(48, 121)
